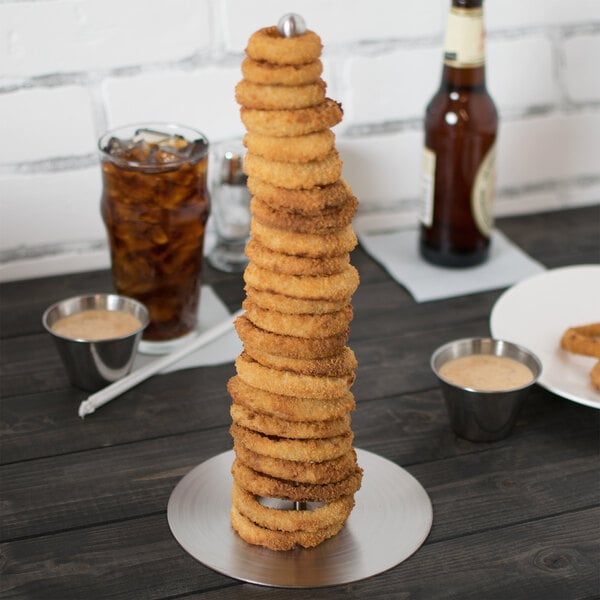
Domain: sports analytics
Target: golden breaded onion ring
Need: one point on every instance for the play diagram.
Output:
(287, 407)
(287, 345)
(328, 471)
(277, 519)
(287, 383)
(287, 123)
(304, 326)
(584, 340)
(279, 97)
(307, 202)
(298, 450)
(278, 262)
(278, 540)
(295, 175)
(294, 306)
(304, 244)
(272, 487)
(271, 74)
(312, 146)
(327, 221)
(271, 425)
(268, 45)
(307, 287)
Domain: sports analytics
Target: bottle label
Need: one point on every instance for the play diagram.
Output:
(464, 46)
(483, 192)
(427, 187)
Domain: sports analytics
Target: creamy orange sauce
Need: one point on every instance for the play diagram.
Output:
(96, 325)
(486, 372)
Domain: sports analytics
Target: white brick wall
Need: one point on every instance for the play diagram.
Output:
(69, 69)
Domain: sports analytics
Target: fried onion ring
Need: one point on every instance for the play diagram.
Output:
(279, 97)
(277, 519)
(307, 202)
(295, 175)
(287, 383)
(303, 148)
(337, 365)
(278, 540)
(298, 450)
(270, 74)
(290, 123)
(268, 45)
(584, 339)
(307, 287)
(270, 425)
(595, 375)
(278, 262)
(287, 345)
(327, 221)
(304, 326)
(294, 306)
(286, 407)
(329, 471)
(304, 244)
(272, 487)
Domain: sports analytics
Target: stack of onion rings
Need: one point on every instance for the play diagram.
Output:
(291, 398)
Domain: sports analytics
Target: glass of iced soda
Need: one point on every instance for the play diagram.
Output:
(155, 205)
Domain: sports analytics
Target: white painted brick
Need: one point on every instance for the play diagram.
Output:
(42, 123)
(336, 21)
(50, 208)
(520, 72)
(582, 71)
(392, 86)
(75, 35)
(528, 202)
(507, 14)
(203, 99)
(548, 148)
(382, 169)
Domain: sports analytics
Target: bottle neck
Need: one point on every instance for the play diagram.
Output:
(463, 78)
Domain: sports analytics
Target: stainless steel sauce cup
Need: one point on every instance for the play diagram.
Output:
(91, 365)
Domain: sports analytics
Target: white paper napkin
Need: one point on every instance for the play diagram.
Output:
(222, 350)
(398, 253)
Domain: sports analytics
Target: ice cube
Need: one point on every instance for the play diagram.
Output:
(150, 136)
(117, 147)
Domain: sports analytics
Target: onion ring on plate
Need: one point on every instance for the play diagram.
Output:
(595, 375)
(278, 540)
(337, 365)
(329, 471)
(287, 345)
(584, 339)
(307, 202)
(279, 97)
(287, 383)
(287, 123)
(327, 221)
(307, 287)
(268, 45)
(270, 425)
(304, 326)
(312, 146)
(270, 74)
(272, 487)
(294, 306)
(278, 262)
(298, 450)
(304, 244)
(295, 175)
(286, 407)
(277, 519)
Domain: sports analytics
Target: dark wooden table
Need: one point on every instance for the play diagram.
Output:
(83, 503)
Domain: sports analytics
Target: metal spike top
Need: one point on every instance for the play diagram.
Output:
(291, 25)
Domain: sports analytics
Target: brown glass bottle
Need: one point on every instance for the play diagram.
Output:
(461, 122)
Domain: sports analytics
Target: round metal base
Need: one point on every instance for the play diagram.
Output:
(391, 520)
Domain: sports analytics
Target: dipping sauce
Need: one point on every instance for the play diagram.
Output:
(486, 372)
(97, 324)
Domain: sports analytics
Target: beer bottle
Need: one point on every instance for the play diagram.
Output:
(459, 156)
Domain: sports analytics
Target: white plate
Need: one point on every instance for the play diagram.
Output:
(391, 519)
(535, 313)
